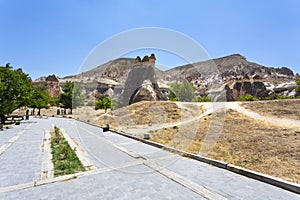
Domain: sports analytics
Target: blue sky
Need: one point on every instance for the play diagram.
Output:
(53, 36)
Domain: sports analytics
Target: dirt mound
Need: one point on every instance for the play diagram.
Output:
(144, 113)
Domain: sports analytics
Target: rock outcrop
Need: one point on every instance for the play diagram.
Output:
(141, 83)
(146, 92)
(285, 89)
(51, 83)
(240, 88)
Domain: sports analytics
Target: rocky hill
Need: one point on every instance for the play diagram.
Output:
(116, 70)
(237, 75)
(233, 67)
(233, 74)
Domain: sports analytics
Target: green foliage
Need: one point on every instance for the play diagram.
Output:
(203, 99)
(270, 97)
(284, 97)
(182, 92)
(54, 101)
(72, 96)
(104, 103)
(247, 97)
(173, 98)
(15, 89)
(90, 103)
(40, 97)
(298, 86)
(274, 96)
(65, 160)
(77, 96)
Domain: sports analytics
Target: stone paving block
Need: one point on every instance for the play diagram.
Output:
(111, 185)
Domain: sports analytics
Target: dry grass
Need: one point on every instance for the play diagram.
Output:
(142, 114)
(185, 137)
(257, 145)
(285, 109)
(260, 146)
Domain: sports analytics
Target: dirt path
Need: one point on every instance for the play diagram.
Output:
(211, 108)
(236, 106)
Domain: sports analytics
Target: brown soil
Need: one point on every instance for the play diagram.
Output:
(142, 113)
(257, 145)
(285, 109)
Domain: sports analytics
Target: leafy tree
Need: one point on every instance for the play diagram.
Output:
(72, 96)
(182, 92)
(104, 103)
(40, 98)
(298, 85)
(15, 90)
(54, 101)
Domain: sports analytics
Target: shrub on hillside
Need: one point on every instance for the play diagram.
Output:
(298, 86)
(203, 99)
(247, 97)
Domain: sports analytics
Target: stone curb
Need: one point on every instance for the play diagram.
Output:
(79, 151)
(293, 187)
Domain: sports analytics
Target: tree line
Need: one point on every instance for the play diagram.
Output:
(17, 90)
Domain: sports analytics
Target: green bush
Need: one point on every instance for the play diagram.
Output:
(105, 103)
(203, 99)
(274, 96)
(184, 91)
(247, 97)
(282, 97)
(298, 86)
(173, 99)
(270, 97)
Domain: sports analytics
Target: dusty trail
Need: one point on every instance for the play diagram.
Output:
(236, 106)
(211, 108)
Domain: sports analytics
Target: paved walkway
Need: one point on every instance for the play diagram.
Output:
(124, 169)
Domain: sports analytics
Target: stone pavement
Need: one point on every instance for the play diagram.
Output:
(124, 169)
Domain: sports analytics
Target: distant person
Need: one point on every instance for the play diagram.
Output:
(27, 114)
